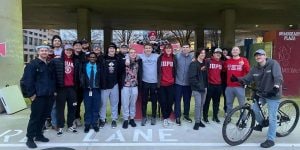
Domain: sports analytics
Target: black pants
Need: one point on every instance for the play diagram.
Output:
(214, 93)
(79, 95)
(120, 97)
(149, 91)
(166, 100)
(66, 94)
(224, 85)
(40, 109)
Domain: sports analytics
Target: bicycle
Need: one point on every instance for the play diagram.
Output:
(239, 123)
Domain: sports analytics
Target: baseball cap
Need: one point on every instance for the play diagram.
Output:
(112, 45)
(77, 42)
(42, 46)
(68, 46)
(260, 51)
(218, 50)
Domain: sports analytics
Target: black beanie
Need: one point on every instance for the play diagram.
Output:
(112, 45)
(56, 37)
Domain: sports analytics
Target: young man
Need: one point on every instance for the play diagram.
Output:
(85, 47)
(66, 71)
(225, 56)
(130, 80)
(198, 80)
(182, 86)
(214, 89)
(110, 89)
(90, 81)
(268, 78)
(239, 67)
(149, 85)
(39, 83)
(166, 74)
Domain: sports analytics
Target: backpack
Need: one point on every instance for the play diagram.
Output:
(23, 85)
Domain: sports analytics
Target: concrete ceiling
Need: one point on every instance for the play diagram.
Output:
(161, 14)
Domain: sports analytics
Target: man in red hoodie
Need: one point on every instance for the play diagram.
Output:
(236, 66)
(166, 78)
(214, 90)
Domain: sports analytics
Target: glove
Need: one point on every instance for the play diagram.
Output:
(273, 92)
(233, 78)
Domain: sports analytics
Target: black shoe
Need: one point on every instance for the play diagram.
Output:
(101, 123)
(201, 124)
(205, 120)
(113, 124)
(125, 124)
(178, 122)
(153, 121)
(188, 119)
(30, 143)
(258, 128)
(216, 119)
(267, 144)
(196, 126)
(41, 139)
(96, 128)
(86, 128)
(132, 123)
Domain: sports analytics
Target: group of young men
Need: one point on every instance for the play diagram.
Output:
(75, 73)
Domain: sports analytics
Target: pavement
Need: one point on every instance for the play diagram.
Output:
(149, 137)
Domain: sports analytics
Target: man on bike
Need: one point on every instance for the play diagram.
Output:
(268, 79)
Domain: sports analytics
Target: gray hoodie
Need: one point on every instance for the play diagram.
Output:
(183, 63)
(265, 77)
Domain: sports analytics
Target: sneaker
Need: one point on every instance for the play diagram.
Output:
(196, 126)
(201, 124)
(144, 120)
(86, 128)
(153, 121)
(178, 122)
(258, 128)
(216, 119)
(188, 119)
(60, 132)
(206, 120)
(96, 128)
(267, 144)
(41, 138)
(72, 129)
(165, 123)
(30, 143)
(125, 124)
(170, 122)
(101, 123)
(77, 122)
(113, 124)
(132, 123)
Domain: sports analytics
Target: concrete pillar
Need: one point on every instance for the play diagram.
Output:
(11, 42)
(107, 32)
(228, 31)
(199, 38)
(83, 24)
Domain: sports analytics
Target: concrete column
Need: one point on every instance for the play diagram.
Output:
(199, 38)
(11, 42)
(228, 31)
(83, 24)
(107, 32)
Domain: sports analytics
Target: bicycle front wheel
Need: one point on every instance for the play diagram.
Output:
(238, 125)
(287, 118)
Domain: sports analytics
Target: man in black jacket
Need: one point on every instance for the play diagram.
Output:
(39, 84)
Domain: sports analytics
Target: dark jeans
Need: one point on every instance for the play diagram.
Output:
(66, 94)
(185, 92)
(224, 85)
(166, 100)
(40, 109)
(214, 93)
(149, 91)
(79, 95)
(91, 106)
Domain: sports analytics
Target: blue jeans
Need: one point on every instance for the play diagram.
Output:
(53, 114)
(91, 106)
(272, 109)
(186, 93)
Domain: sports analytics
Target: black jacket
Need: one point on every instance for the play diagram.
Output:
(197, 77)
(58, 66)
(84, 79)
(123, 72)
(39, 78)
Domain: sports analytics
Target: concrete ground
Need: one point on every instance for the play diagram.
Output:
(13, 130)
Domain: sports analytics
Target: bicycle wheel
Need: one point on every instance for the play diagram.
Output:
(238, 125)
(287, 117)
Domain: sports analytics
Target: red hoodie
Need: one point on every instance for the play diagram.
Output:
(214, 71)
(238, 67)
(69, 71)
(167, 65)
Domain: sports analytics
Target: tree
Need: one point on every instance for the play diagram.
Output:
(182, 36)
(126, 36)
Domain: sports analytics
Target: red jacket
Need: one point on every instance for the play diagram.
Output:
(238, 67)
(214, 71)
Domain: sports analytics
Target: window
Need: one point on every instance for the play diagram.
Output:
(25, 58)
(35, 34)
(24, 31)
(30, 40)
(31, 50)
(25, 39)
(40, 35)
(45, 36)
(40, 41)
(25, 49)
(30, 32)
(35, 41)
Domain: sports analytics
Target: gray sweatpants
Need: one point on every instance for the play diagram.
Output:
(199, 103)
(231, 93)
(113, 95)
(129, 97)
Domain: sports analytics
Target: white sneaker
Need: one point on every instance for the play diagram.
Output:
(170, 122)
(60, 132)
(165, 123)
(71, 129)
